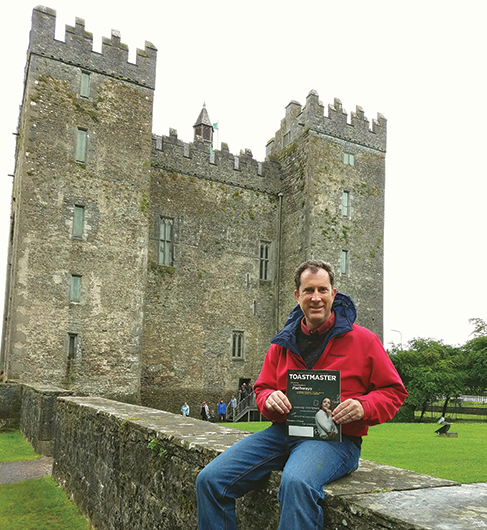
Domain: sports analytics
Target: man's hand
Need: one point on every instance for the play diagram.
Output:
(348, 411)
(278, 402)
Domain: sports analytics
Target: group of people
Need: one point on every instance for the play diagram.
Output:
(244, 391)
(222, 408)
(207, 415)
(221, 411)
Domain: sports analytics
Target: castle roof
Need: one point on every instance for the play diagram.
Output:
(203, 118)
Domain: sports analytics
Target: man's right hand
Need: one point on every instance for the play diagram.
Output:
(278, 402)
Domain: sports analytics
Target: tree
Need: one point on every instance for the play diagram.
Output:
(480, 327)
(430, 370)
(475, 352)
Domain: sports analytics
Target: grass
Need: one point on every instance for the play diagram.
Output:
(416, 447)
(13, 447)
(38, 504)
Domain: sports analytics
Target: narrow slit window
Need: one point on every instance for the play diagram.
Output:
(166, 241)
(78, 223)
(346, 204)
(237, 344)
(75, 288)
(81, 146)
(73, 343)
(85, 85)
(344, 262)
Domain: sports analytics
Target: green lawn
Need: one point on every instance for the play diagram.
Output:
(38, 504)
(14, 447)
(416, 447)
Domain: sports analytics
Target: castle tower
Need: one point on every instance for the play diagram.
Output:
(78, 249)
(203, 128)
(333, 200)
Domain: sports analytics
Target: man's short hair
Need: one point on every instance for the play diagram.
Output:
(313, 266)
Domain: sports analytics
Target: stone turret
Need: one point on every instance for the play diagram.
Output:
(203, 128)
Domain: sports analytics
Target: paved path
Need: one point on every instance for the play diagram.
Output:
(25, 469)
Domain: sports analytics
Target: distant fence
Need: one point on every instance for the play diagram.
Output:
(458, 409)
(476, 411)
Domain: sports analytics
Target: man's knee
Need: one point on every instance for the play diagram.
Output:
(294, 483)
(203, 480)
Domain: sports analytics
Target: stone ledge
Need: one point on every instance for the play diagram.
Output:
(461, 507)
(102, 460)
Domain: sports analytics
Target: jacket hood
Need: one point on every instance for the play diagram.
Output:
(345, 315)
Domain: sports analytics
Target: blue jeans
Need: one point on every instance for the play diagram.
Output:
(307, 466)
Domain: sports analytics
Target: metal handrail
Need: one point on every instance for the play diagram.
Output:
(242, 405)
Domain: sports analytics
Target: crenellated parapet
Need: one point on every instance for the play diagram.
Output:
(78, 50)
(299, 120)
(200, 160)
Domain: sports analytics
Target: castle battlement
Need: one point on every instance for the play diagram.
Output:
(299, 119)
(78, 50)
(199, 160)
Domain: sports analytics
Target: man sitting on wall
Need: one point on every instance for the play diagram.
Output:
(320, 334)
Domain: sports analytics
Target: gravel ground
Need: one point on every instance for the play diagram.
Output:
(25, 469)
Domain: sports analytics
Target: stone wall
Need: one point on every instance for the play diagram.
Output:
(129, 467)
(10, 405)
(38, 416)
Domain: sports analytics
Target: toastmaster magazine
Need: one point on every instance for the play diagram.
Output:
(313, 395)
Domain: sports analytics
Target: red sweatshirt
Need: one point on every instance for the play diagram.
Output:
(367, 374)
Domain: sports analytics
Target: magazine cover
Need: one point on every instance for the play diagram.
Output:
(313, 394)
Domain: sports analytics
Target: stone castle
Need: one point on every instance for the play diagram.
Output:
(151, 270)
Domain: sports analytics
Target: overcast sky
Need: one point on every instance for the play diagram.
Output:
(420, 63)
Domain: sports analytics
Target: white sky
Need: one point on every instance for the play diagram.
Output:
(420, 63)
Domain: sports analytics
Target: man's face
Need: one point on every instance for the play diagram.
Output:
(315, 297)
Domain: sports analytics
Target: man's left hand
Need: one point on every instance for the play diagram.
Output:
(348, 411)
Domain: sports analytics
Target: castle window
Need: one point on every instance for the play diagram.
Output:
(81, 146)
(346, 204)
(79, 215)
(344, 262)
(237, 344)
(259, 169)
(236, 162)
(165, 241)
(85, 85)
(75, 288)
(264, 261)
(287, 139)
(349, 159)
(72, 345)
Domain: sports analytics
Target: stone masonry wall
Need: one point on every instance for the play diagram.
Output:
(38, 416)
(212, 288)
(10, 405)
(129, 467)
